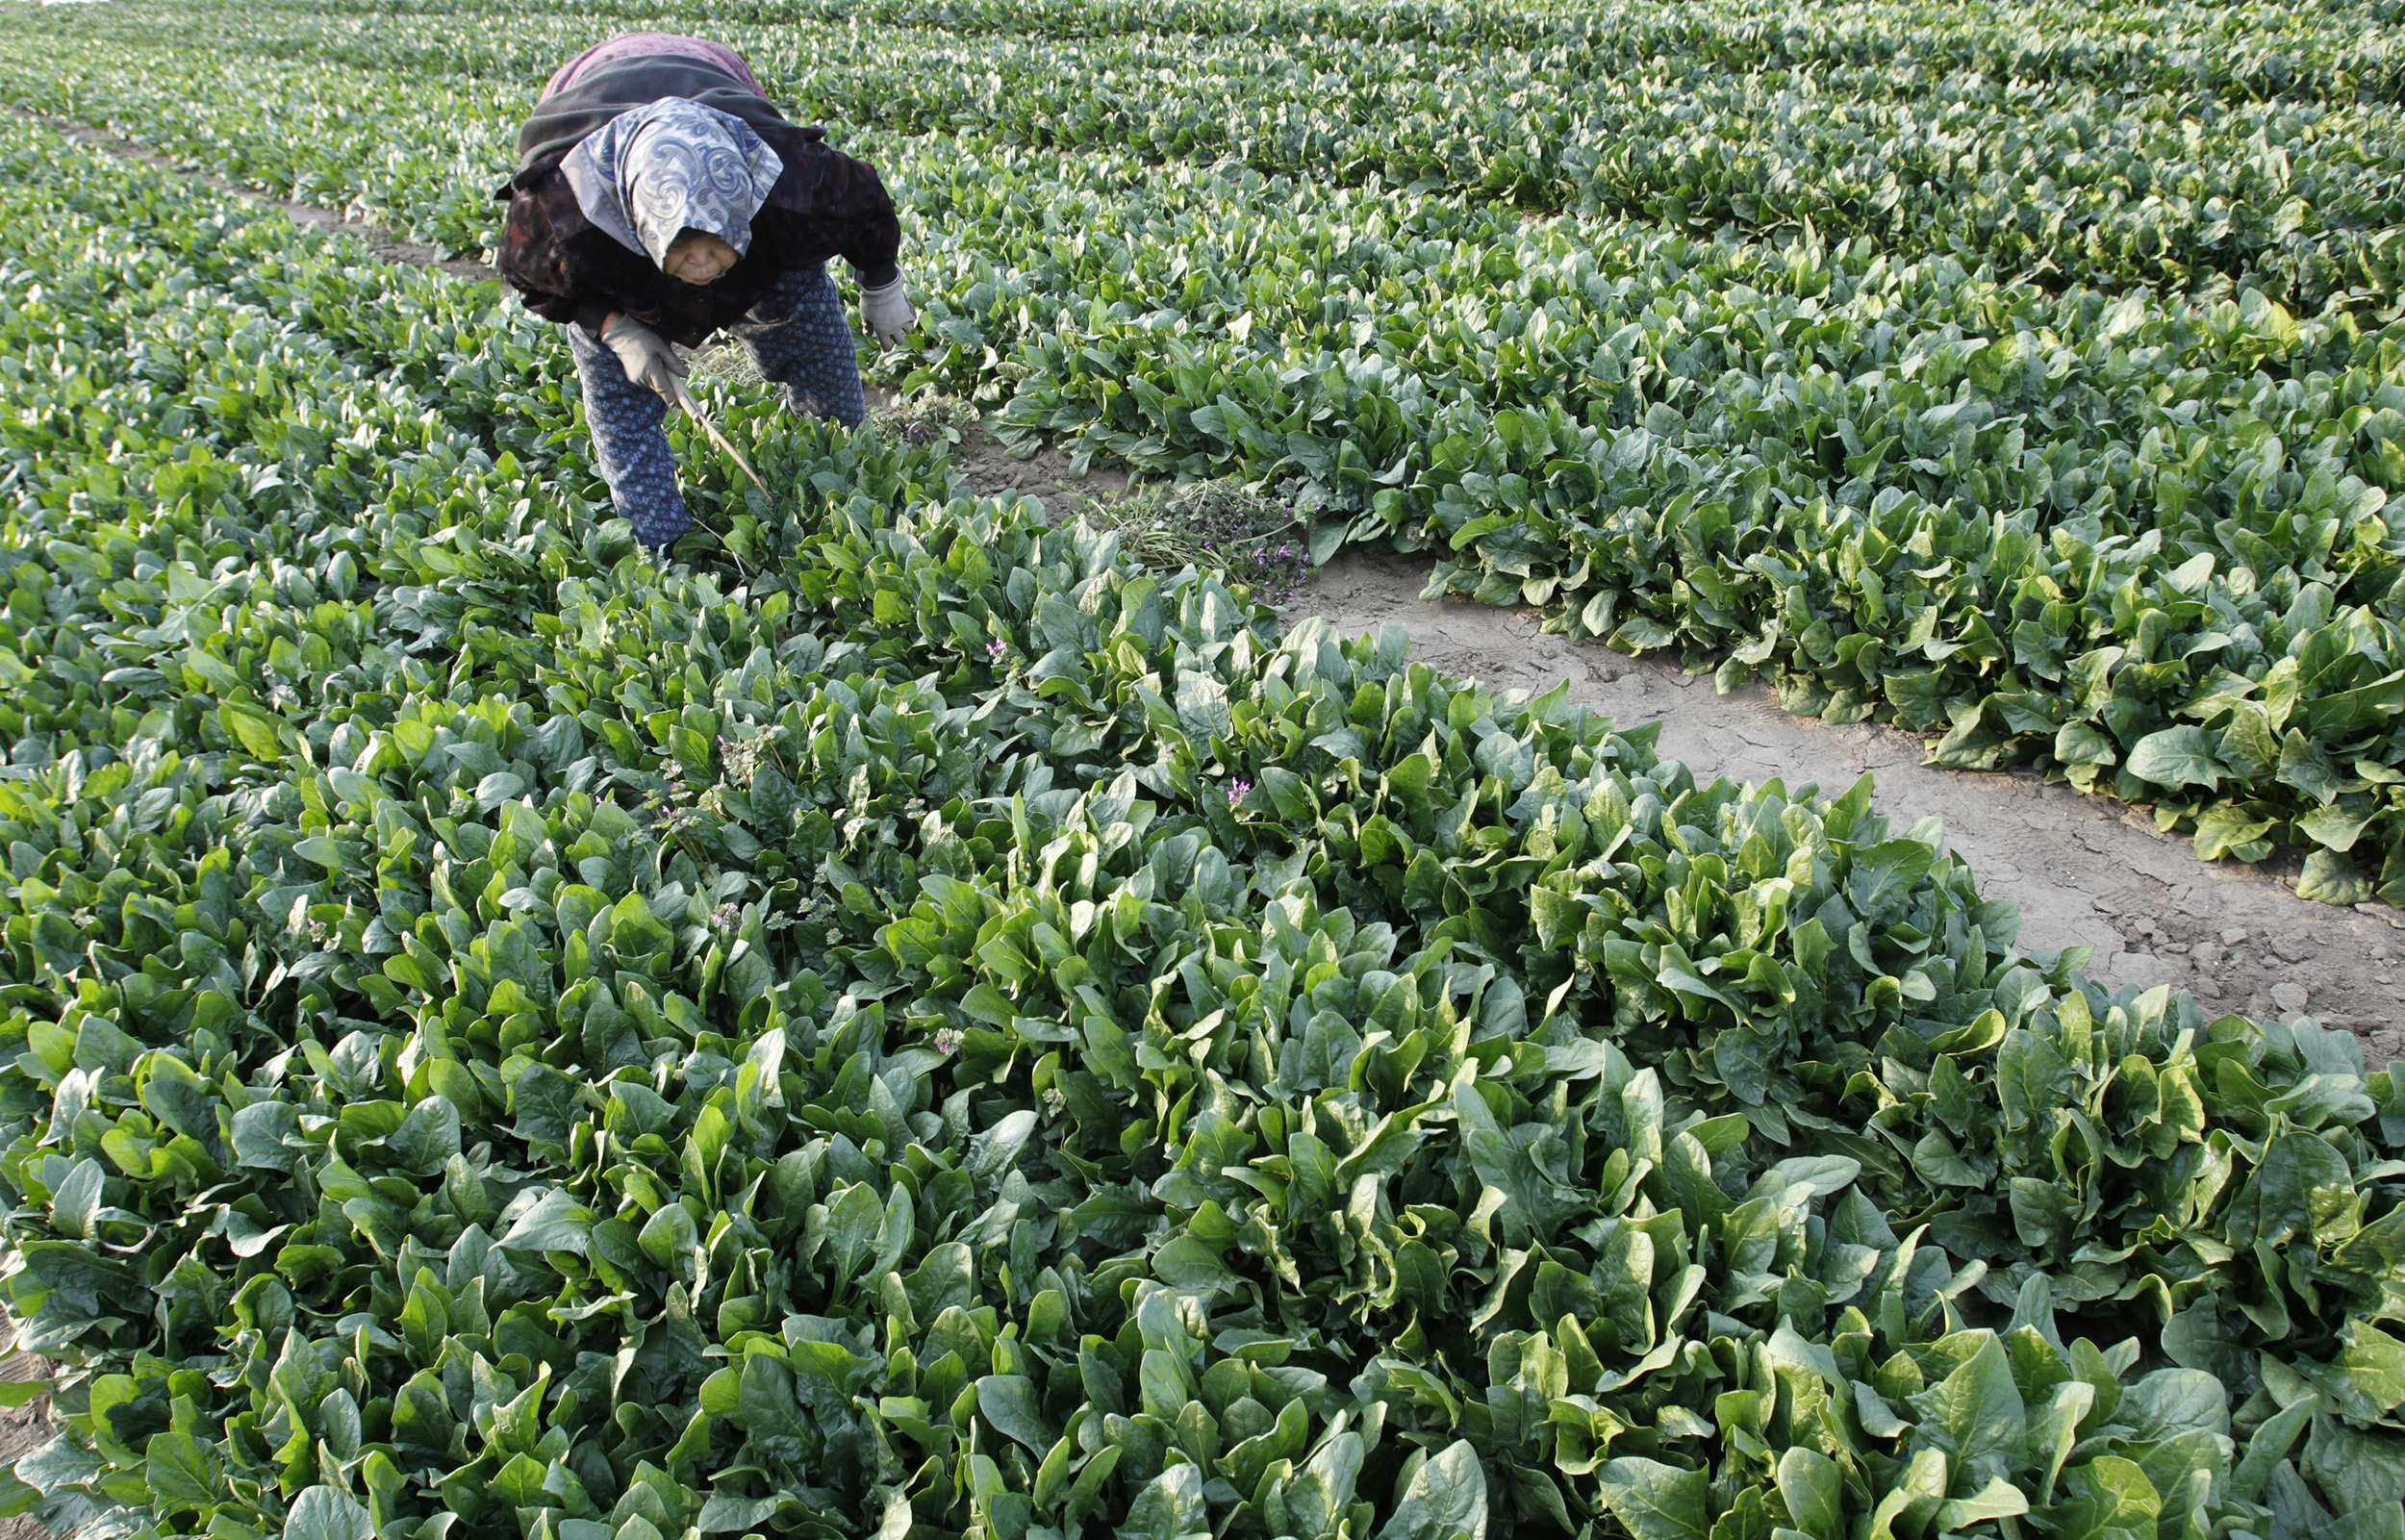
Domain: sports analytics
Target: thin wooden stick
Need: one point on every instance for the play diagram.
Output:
(684, 399)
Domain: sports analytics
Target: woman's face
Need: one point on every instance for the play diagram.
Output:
(698, 259)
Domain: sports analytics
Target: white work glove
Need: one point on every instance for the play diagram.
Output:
(645, 355)
(887, 311)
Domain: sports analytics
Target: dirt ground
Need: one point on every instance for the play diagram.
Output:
(988, 468)
(2085, 871)
(379, 240)
(22, 1430)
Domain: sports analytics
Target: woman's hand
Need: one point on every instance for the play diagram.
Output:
(887, 309)
(644, 354)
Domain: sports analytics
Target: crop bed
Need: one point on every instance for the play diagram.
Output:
(966, 1033)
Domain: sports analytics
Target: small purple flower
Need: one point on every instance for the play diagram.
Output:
(1238, 791)
(947, 1041)
(727, 916)
(996, 649)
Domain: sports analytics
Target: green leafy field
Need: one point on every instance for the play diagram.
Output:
(966, 1033)
(2038, 384)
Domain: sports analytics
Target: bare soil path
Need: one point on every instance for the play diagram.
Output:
(381, 242)
(23, 1429)
(2085, 872)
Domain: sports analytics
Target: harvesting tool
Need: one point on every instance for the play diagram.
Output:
(693, 410)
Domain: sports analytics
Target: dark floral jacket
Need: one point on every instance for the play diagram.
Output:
(825, 205)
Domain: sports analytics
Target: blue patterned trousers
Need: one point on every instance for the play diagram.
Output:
(797, 335)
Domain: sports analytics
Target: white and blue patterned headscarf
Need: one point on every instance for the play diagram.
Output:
(649, 174)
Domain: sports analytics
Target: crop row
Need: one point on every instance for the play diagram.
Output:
(2059, 178)
(2260, 49)
(968, 1033)
(534, 40)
